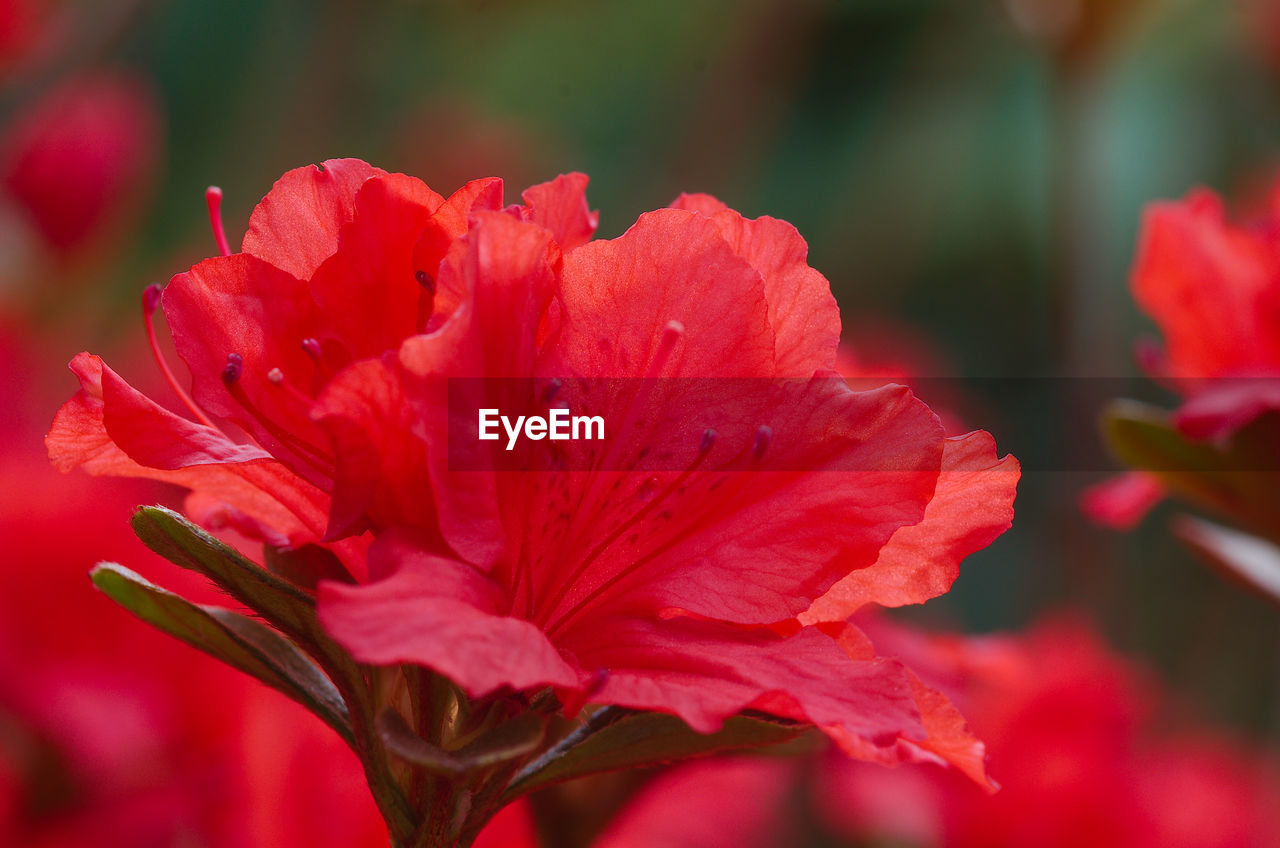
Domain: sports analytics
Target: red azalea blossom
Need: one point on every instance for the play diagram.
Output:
(1213, 288)
(717, 581)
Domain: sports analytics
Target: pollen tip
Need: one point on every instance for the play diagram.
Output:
(311, 348)
(233, 369)
(213, 193)
(708, 441)
(151, 297)
(425, 280)
(673, 328)
(275, 376)
(764, 435)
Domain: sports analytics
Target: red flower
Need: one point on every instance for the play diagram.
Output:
(664, 570)
(75, 162)
(1072, 741)
(1213, 289)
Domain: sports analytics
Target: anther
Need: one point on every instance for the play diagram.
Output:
(764, 435)
(311, 348)
(213, 200)
(425, 280)
(233, 369)
(275, 377)
(151, 298)
(708, 441)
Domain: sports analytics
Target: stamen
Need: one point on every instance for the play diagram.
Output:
(231, 375)
(150, 300)
(311, 348)
(671, 335)
(764, 436)
(213, 199)
(276, 378)
(708, 441)
(233, 369)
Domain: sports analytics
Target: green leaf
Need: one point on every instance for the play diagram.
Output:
(613, 739)
(282, 604)
(235, 639)
(291, 610)
(1247, 559)
(1230, 478)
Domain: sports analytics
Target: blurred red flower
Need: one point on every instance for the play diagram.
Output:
(1074, 740)
(74, 163)
(110, 736)
(332, 338)
(1213, 289)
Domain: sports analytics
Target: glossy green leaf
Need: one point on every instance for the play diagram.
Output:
(1229, 478)
(233, 638)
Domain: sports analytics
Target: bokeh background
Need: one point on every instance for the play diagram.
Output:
(969, 174)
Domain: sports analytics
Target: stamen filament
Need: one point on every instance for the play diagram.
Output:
(150, 300)
(213, 200)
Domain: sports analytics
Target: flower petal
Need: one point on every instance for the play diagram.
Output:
(802, 310)
(705, 671)
(561, 207)
(257, 487)
(1122, 501)
(369, 290)
(442, 614)
(971, 506)
(295, 227)
(1209, 286)
(241, 305)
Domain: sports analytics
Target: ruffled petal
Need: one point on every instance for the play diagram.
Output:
(802, 310)
(561, 207)
(295, 227)
(371, 293)
(255, 486)
(444, 615)
(971, 506)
